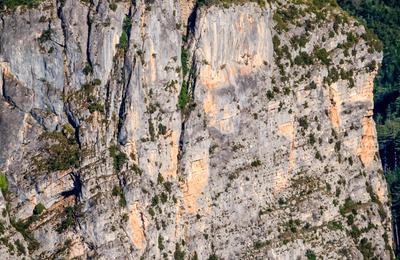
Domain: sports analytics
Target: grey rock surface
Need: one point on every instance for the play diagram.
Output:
(251, 137)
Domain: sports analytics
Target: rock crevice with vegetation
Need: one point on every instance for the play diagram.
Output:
(250, 136)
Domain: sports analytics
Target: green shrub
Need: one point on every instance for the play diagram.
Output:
(276, 41)
(310, 255)
(348, 206)
(168, 186)
(256, 163)
(183, 98)
(303, 59)
(299, 41)
(322, 55)
(123, 41)
(68, 221)
(152, 132)
(163, 197)
(117, 191)
(88, 69)
(151, 212)
(280, 24)
(333, 76)
(162, 129)
(136, 169)
(335, 225)
(366, 249)
(311, 139)
(161, 243)
(39, 208)
(45, 36)
(338, 146)
(318, 156)
(178, 254)
(15, 3)
(20, 247)
(372, 40)
(127, 24)
(227, 3)
(154, 201)
(23, 228)
(213, 257)
(3, 183)
(303, 122)
(96, 106)
(260, 244)
(119, 158)
(270, 94)
(292, 225)
(184, 61)
(2, 228)
(62, 151)
(126, 28)
(113, 6)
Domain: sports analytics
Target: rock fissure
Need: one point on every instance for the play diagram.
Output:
(248, 137)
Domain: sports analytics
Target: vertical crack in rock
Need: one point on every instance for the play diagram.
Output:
(60, 15)
(127, 74)
(89, 33)
(191, 22)
(67, 106)
(4, 92)
(2, 23)
(191, 77)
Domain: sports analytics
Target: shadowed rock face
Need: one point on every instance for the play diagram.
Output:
(273, 155)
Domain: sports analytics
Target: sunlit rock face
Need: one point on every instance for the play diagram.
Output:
(271, 155)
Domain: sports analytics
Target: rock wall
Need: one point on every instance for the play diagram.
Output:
(272, 155)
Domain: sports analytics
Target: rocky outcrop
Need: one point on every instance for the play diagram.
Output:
(250, 137)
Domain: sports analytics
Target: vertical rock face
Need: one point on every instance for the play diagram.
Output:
(273, 154)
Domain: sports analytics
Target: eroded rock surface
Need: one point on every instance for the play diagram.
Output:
(250, 138)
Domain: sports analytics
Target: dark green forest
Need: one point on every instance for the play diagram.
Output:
(383, 17)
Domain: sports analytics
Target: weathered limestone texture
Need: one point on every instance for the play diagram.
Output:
(249, 137)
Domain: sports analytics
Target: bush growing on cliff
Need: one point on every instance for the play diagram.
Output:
(68, 221)
(38, 210)
(20, 247)
(322, 55)
(124, 38)
(303, 122)
(179, 254)
(119, 158)
(303, 59)
(183, 98)
(117, 191)
(226, 3)
(185, 61)
(62, 152)
(15, 3)
(366, 249)
(280, 24)
(123, 41)
(96, 106)
(256, 163)
(3, 183)
(23, 228)
(45, 36)
(348, 206)
(310, 255)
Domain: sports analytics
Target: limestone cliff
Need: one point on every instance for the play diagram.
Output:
(248, 137)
